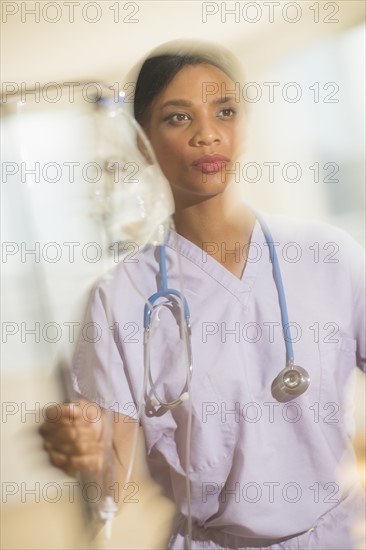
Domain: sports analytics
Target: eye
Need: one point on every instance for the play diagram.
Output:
(227, 113)
(176, 118)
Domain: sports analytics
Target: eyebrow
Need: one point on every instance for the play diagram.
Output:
(186, 103)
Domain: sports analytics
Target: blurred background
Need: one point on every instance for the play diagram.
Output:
(305, 73)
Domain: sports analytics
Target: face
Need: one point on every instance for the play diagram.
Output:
(195, 128)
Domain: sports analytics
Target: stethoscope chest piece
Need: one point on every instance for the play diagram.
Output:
(290, 383)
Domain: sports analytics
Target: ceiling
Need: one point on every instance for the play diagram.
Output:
(73, 47)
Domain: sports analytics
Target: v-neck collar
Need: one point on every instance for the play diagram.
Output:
(240, 288)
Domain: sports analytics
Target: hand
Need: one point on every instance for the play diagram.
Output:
(72, 440)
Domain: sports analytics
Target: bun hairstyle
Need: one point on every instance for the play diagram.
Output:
(164, 62)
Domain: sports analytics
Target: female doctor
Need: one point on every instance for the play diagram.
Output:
(266, 470)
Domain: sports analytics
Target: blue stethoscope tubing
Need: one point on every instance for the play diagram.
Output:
(165, 291)
(280, 290)
(284, 387)
(148, 310)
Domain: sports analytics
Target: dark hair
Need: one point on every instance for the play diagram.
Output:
(159, 69)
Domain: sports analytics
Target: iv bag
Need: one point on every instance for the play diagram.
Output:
(135, 199)
(81, 185)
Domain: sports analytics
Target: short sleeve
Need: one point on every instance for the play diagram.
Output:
(98, 370)
(358, 271)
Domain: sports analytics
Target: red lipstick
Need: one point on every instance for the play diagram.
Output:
(210, 164)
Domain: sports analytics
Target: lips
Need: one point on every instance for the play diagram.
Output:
(210, 164)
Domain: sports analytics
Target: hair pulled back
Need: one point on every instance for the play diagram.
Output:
(164, 62)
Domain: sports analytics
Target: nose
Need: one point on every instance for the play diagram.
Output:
(205, 133)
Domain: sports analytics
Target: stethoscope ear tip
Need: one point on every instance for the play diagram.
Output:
(154, 403)
(184, 396)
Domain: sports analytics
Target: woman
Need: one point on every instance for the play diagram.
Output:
(264, 473)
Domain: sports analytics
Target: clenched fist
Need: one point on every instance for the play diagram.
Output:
(72, 437)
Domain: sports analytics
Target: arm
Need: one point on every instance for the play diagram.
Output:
(75, 444)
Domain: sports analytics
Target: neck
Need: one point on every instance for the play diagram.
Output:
(223, 218)
(221, 225)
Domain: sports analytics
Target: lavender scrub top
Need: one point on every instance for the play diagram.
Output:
(258, 468)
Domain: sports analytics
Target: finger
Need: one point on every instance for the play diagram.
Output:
(91, 464)
(72, 464)
(58, 459)
(62, 412)
(59, 431)
(48, 428)
(85, 447)
(84, 413)
(72, 440)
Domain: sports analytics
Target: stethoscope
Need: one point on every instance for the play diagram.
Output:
(148, 310)
(291, 382)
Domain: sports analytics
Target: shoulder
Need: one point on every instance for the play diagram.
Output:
(313, 233)
(326, 251)
(127, 276)
(306, 230)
